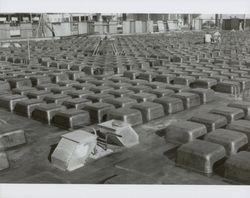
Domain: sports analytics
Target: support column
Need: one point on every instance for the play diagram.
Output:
(244, 24)
(217, 20)
(221, 21)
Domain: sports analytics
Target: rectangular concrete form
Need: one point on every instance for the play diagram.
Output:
(211, 121)
(170, 104)
(149, 110)
(4, 162)
(9, 101)
(231, 140)
(237, 167)
(241, 126)
(200, 156)
(45, 112)
(230, 113)
(206, 95)
(189, 99)
(244, 105)
(120, 102)
(11, 136)
(26, 107)
(131, 116)
(183, 131)
(98, 111)
(71, 119)
(77, 103)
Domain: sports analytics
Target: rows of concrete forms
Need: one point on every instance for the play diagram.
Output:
(187, 101)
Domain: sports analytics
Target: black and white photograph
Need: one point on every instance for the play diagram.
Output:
(124, 98)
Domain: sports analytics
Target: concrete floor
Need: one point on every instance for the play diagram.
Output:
(150, 162)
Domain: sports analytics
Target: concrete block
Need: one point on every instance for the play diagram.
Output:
(45, 112)
(131, 74)
(101, 89)
(4, 162)
(19, 82)
(118, 79)
(226, 87)
(170, 104)
(161, 92)
(58, 77)
(9, 101)
(137, 82)
(97, 82)
(156, 85)
(149, 110)
(71, 119)
(245, 106)
(177, 88)
(211, 121)
(143, 97)
(244, 82)
(56, 98)
(61, 90)
(131, 116)
(120, 102)
(11, 136)
(120, 85)
(230, 113)
(98, 111)
(200, 156)
(85, 79)
(241, 126)
(83, 86)
(4, 86)
(231, 140)
(237, 167)
(26, 107)
(39, 80)
(147, 76)
(68, 83)
(139, 88)
(99, 97)
(77, 103)
(183, 131)
(205, 83)
(23, 90)
(120, 92)
(40, 94)
(165, 78)
(206, 95)
(184, 80)
(46, 87)
(80, 93)
(189, 99)
(219, 78)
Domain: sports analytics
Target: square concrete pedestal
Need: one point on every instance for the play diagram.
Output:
(149, 110)
(131, 116)
(200, 156)
(184, 131)
(71, 119)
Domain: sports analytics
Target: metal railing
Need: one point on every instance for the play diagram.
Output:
(97, 48)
